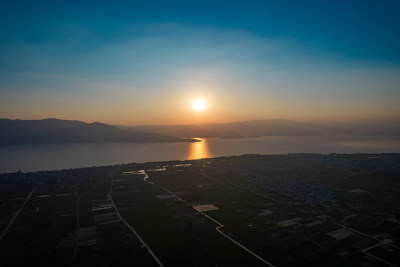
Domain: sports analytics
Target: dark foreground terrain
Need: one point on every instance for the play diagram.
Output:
(251, 210)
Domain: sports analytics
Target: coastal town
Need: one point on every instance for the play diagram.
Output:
(250, 210)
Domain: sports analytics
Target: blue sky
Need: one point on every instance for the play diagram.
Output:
(134, 62)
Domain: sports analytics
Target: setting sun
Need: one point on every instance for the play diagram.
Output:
(199, 105)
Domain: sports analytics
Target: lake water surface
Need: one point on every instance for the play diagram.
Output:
(36, 157)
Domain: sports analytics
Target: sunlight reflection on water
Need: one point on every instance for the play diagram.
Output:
(39, 157)
(199, 150)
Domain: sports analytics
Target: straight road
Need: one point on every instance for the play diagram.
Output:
(77, 221)
(18, 212)
(129, 226)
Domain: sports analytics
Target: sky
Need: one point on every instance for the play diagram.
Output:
(145, 62)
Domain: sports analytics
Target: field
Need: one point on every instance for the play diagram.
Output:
(252, 210)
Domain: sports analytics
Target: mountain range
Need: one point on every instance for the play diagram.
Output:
(274, 127)
(63, 131)
(66, 131)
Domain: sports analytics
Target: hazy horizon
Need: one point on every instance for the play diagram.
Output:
(131, 63)
(366, 120)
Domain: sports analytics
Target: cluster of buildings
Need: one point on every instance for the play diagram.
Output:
(312, 195)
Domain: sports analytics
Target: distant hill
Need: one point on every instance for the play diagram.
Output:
(61, 131)
(259, 128)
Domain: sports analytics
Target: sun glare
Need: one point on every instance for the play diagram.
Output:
(199, 105)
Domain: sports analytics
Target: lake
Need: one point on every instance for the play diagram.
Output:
(36, 157)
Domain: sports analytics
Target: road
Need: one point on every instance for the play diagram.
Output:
(77, 221)
(18, 212)
(129, 226)
(218, 228)
(330, 220)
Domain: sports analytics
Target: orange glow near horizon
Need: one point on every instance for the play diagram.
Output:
(177, 107)
(199, 150)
